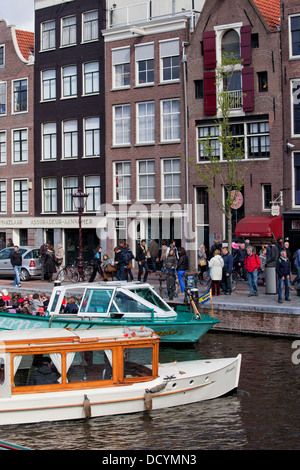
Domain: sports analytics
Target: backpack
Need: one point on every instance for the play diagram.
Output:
(128, 256)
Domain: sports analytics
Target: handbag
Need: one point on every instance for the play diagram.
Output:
(202, 262)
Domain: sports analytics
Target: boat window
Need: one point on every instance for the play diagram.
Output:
(96, 300)
(2, 371)
(152, 297)
(55, 300)
(138, 362)
(126, 304)
(87, 366)
(37, 369)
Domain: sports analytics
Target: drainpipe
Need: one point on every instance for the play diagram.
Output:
(184, 44)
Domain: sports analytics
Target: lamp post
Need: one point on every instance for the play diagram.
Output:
(79, 201)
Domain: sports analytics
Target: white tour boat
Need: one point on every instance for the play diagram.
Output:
(59, 374)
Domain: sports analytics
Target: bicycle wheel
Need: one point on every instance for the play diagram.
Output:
(62, 274)
(73, 275)
(87, 272)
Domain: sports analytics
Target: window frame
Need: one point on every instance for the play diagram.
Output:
(69, 30)
(91, 24)
(147, 175)
(73, 133)
(116, 176)
(146, 59)
(50, 38)
(4, 84)
(47, 84)
(93, 131)
(123, 72)
(22, 151)
(15, 92)
(52, 140)
(53, 196)
(291, 55)
(172, 185)
(149, 130)
(67, 192)
(172, 66)
(22, 192)
(3, 196)
(123, 121)
(70, 81)
(3, 132)
(171, 117)
(95, 198)
(95, 78)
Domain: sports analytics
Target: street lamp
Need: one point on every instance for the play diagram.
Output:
(79, 201)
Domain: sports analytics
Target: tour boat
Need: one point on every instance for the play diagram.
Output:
(61, 374)
(115, 304)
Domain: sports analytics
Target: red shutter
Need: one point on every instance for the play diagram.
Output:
(209, 50)
(248, 88)
(210, 93)
(246, 45)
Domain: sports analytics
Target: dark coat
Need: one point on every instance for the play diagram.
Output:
(44, 375)
(16, 259)
(228, 263)
(50, 266)
(183, 263)
(283, 268)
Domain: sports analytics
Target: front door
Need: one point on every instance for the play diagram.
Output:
(90, 242)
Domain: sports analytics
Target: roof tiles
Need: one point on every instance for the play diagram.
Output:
(26, 42)
(270, 9)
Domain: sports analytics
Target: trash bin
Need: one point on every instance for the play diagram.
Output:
(271, 279)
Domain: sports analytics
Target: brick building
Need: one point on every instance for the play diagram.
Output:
(250, 30)
(16, 134)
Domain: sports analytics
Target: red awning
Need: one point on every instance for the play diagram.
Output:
(259, 227)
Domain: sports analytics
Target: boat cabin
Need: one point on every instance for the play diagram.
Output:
(44, 360)
(112, 300)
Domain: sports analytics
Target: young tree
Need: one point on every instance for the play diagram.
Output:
(232, 170)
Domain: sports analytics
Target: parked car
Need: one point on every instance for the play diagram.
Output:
(31, 262)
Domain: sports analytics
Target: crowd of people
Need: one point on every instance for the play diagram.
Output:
(32, 304)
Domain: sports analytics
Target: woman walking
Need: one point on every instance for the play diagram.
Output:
(216, 271)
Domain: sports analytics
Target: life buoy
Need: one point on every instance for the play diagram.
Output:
(140, 332)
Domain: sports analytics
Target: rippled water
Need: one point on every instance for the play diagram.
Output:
(264, 414)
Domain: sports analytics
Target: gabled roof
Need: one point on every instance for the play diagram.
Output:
(25, 42)
(270, 10)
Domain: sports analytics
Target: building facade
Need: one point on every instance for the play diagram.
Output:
(16, 134)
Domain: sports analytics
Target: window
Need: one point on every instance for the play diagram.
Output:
(90, 26)
(50, 194)
(90, 366)
(208, 143)
(91, 78)
(169, 56)
(70, 186)
(266, 196)
(262, 81)
(295, 99)
(121, 67)
(297, 178)
(20, 145)
(2, 147)
(122, 179)
(171, 178)
(146, 180)
(121, 117)
(20, 96)
(295, 36)
(232, 84)
(69, 81)
(68, 31)
(2, 98)
(170, 120)
(70, 139)
(258, 140)
(2, 56)
(92, 188)
(20, 196)
(144, 56)
(198, 89)
(145, 122)
(92, 137)
(48, 35)
(49, 141)
(48, 85)
(3, 196)
(27, 369)
(138, 361)
(231, 44)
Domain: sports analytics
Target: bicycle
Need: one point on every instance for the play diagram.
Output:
(236, 277)
(72, 273)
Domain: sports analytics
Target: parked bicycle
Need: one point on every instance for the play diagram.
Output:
(72, 274)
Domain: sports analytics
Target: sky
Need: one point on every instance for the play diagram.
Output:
(18, 12)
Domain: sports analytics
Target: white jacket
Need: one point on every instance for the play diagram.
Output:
(216, 268)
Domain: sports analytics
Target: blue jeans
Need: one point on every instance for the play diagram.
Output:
(17, 270)
(286, 282)
(121, 272)
(252, 279)
(180, 279)
(142, 266)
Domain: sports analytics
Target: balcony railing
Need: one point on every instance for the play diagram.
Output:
(235, 99)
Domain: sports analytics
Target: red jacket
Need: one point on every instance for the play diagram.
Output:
(252, 262)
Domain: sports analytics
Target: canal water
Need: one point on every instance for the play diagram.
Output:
(264, 414)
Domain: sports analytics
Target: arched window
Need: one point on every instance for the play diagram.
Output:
(231, 44)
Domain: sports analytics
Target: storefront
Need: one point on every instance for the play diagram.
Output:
(259, 230)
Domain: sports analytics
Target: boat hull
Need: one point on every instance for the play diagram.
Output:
(184, 328)
(185, 383)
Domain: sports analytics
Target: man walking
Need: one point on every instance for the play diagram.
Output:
(16, 261)
(252, 264)
(141, 258)
(283, 269)
(227, 270)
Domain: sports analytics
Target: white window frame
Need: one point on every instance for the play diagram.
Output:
(88, 27)
(125, 123)
(4, 84)
(48, 85)
(3, 144)
(172, 174)
(70, 136)
(47, 37)
(22, 142)
(291, 55)
(119, 177)
(67, 198)
(53, 196)
(92, 76)
(144, 53)
(67, 30)
(14, 181)
(147, 121)
(49, 142)
(120, 59)
(13, 95)
(168, 122)
(146, 176)
(3, 192)
(263, 191)
(295, 98)
(69, 81)
(94, 199)
(2, 46)
(91, 130)
(174, 46)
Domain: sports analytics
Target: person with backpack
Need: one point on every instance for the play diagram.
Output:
(128, 257)
(252, 265)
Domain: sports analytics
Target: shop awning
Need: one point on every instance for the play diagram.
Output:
(259, 227)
